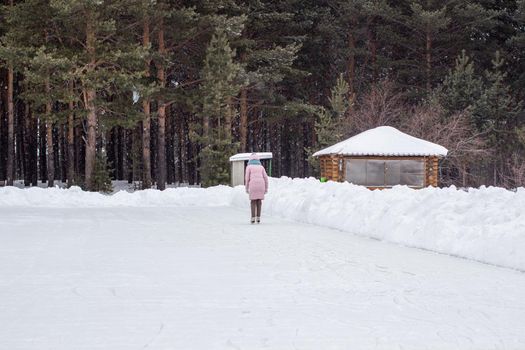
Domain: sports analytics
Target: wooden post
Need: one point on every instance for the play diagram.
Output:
(436, 168)
(431, 171)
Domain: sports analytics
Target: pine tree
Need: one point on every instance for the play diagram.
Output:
(516, 45)
(497, 103)
(28, 48)
(170, 49)
(45, 81)
(429, 23)
(101, 174)
(461, 90)
(500, 111)
(267, 53)
(102, 67)
(432, 33)
(107, 64)
(146, 101)
(220, 82)
(10, 61)
(328, 127)
(161, 111)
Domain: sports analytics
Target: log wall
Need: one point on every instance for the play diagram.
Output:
(330, 167)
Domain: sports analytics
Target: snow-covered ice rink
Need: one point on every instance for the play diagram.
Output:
(203, 278)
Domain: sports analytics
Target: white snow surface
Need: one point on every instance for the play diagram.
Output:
(486, 224)
(183, 269)
(134, 276)
(384, 141)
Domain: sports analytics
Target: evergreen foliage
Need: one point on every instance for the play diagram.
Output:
(329, 125)
(172, 89)
(101, 174)
(501, 113)
(497, 103)
(461, 90)
(220, 83)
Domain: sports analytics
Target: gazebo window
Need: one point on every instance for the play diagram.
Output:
(392, 172)
(412, 173)
(356, 171)
(375, 173)
(381, 173)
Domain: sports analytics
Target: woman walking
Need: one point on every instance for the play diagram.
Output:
(256, 182)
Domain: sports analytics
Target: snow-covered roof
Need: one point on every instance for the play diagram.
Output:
(384, 141)
(246, 156)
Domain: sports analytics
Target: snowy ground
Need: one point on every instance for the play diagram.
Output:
(200, 277)
(486, 224)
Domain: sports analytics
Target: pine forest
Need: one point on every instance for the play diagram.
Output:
(163, 92)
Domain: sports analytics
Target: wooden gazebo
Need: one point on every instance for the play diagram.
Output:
(382, 157)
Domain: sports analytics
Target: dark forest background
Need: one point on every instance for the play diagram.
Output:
(163, 92)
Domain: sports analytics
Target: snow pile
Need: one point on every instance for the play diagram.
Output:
(486, 224)
(76, 198)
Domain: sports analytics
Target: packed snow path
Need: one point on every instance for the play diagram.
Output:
(203, 278)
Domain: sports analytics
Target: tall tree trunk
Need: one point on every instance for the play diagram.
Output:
(351, 66)
(114, 148)
(63, 152)
(230, 113)
(42, 150)
(10, 168)
(161, 146)
(372, 48)
(183, 149)
(50, 150)
(34, 149)
(170, 148)
(89, 101)
(135, 153)
(154, 142)
(146, 121)
(27, 147)
(146, 144)
(79, 148)
(19, 133)
(91, 140)
(10, 128)
(129, 155)
(50, 154)
(243, 122)
(122, 151)
(428, 60)
(71, 145)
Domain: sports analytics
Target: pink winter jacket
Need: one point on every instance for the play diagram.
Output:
(256, 181)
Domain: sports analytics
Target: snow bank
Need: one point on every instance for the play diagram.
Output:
(486, 224)
(75, 197)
